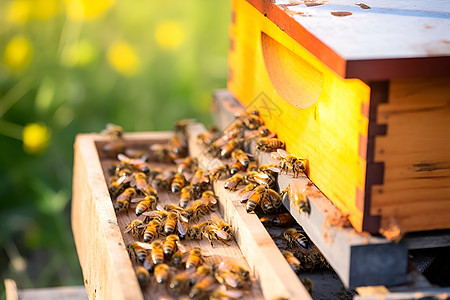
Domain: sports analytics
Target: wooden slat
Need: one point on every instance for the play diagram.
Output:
(275, 276)
(11, 289)
(107, 270)
(56, 293)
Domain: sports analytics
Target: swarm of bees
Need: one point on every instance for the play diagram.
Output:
(160, 231)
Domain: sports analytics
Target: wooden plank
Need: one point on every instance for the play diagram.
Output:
(407, 41)
(358, 258)
(55, 293)
(107, 270)
(436, 293)
(275, 276)
(11, 289)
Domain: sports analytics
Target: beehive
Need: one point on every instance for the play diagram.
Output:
(360, 90)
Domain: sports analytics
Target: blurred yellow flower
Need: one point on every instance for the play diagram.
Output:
(45, 9)
(35, 137)
(123, 59)
(18, 53)
(169, 34)
(87, 9)
(19, 11)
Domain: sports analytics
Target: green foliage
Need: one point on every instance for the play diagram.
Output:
(141, 64)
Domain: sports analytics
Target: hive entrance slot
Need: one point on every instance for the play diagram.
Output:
(292, 77)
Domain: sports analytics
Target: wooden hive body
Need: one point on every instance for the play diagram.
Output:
(371, 114)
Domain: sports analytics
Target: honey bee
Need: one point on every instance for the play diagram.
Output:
(299, 198)
(123, 200)
(199, 182)
(180, 126)
(230, 147)
(113, 131)
(163, 180)
(274, 198)
(292, 261)
(236, 167)
(179, 145)
(151, 230)
(280, 219)
(221, 224)
(235, 130)
(233, 182)
(171, 244)
(143, 276)
(177, 259)
(229, 279)
(171, 223)
(209, 199)
(157, 253)
(185, 196)
(261, 178)
(178, 182)
(114, 146)
(138, 250)
(195, 258)
(222, 293)
(254, 197)
(144, 204)
(139, 181)
(196, 209)
(243, 272)
(185, 165)
(201, 289)
(289, 162)
(269, 144)
(136, 163)
(217, 173)
(295, 237)
(313, 258)
(248, 188)
(241, 156)
(252, 122)
(161, 273)
(181, 282)
(252, 166)
(135, 228)
(194, 232)
(213, 232)
(206, 138)
(162, 153)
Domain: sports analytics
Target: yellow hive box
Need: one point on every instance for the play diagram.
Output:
(361, 91)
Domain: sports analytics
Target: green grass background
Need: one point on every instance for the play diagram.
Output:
(80, 91)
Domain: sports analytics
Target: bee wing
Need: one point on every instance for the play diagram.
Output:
(123, 157)
(179, 160)
(181, 247)
(276, 155)
(233, 294)
(271, 135)
(181, 228)
(221, 234)
(215, 218)
(142, 226)
(188, 176)
(148, 264)
(134, 200)
(146, 246)
(283, 152)
(247, 195)
(150, 214)
(127, 230)
(274, 169)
